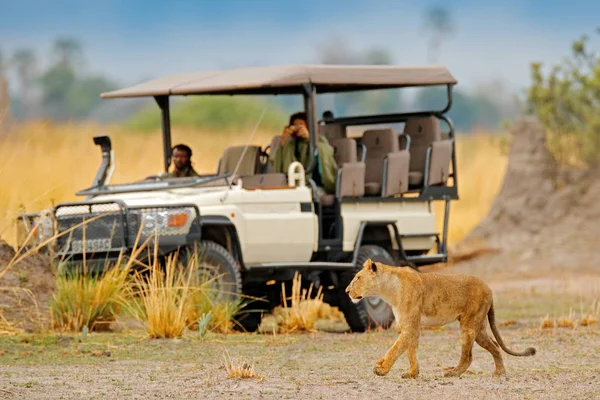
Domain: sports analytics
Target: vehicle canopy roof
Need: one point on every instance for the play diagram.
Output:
(289, 79)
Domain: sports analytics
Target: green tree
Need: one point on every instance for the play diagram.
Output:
(236, 113)
(440, 25)
(67, 93)
(24, 62)
(68, 52)
(4, 96)
(56, 84)
(567, 102)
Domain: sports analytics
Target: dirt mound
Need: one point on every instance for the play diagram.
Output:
(544, 217)
(25, 289)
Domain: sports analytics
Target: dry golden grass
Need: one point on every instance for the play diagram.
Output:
(84, 300)
(168, 299)
(160, 299)
(567, 321)
(303, 311)
(205, 313)
(481, 165)
(590, 317)
(547, 323)
(215, 317)
(239, 369)
(44, 163)
(507, 323)
(7, 328)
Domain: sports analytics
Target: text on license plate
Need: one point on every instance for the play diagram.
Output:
(91, 245)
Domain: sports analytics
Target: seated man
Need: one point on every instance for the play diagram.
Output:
(295, 147)
(181, 158)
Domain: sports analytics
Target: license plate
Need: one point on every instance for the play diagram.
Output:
(91, 245)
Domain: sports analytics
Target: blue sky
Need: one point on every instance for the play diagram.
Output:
(134, 40)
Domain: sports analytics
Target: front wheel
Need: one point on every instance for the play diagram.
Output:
(216, 268)
(371, 311)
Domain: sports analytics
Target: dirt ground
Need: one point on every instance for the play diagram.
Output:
(25, 289)
(125, 364)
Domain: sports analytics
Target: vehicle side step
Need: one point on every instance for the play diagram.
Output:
(428, 259)
(305, 266)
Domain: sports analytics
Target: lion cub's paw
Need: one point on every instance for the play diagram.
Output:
(452, 373)
(380, 370)
(410, 374)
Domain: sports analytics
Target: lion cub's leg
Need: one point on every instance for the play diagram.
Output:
(467, 337)
(413, 370)
(407, 338)
(485, 341)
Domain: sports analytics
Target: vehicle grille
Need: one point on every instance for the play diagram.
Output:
(103, 230)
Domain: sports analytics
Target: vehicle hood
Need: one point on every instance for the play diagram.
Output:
(195, 195)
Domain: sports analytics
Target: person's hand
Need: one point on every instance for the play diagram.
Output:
(302, 132)
(287, 132)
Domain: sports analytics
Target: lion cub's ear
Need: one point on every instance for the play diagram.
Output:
(370, 265)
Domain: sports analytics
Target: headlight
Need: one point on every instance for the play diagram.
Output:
(165, 222)
(35, 228)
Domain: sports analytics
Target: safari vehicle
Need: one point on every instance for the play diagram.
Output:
(256, 227)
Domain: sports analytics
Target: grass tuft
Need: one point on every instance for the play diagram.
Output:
(7, 328)
(547, 323)
(239, 369)
(170, 298)
(303, 310)
(591, 316)
(86, 300)
(567, 321)
(160, 299)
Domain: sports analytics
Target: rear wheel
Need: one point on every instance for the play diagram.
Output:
(371, 311)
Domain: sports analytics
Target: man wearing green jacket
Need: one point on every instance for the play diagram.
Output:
(295, 146)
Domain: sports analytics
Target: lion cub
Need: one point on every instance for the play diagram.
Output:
(431, 299)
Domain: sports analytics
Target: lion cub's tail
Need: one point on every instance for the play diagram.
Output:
(492, 318)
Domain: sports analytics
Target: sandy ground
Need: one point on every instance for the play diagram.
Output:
(320, 365)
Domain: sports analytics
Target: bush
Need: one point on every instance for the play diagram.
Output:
(160, 299)
(219, 113)
(567, 102)
(84, 300)
(170, 298)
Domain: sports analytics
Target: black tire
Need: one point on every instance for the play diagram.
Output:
(217, 264)
(369, 312)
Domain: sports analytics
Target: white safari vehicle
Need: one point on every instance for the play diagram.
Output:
(255, 226)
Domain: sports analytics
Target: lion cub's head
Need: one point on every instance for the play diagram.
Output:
(364, 281)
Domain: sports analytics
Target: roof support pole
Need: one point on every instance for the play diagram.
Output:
(163, 103)
(449, 103)
(310, 107)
